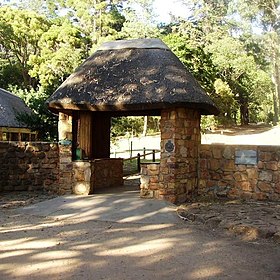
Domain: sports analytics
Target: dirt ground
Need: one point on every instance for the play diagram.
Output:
(249, 220)
(260, 134)
(81, 247)
(253, 134)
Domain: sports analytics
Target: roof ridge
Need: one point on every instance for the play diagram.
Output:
(9, 93)
(142, 43)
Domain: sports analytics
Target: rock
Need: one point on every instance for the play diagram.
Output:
(213, 222)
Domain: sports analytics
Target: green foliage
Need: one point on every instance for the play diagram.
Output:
(97, 18)
(38, 54)
(20, 32)
(41, 120)
(62, 49)
(208, 123)
(139, 21)
(224, 99)
(127, 126)
(234, 66)
(10, 73)
(194, 58)
(225, 67)
(265, 16)
(42, 42)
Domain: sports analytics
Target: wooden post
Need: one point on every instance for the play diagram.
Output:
(144, 152)
(138, 162)
(154, 155)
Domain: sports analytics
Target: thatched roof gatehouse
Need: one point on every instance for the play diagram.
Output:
(135, 77)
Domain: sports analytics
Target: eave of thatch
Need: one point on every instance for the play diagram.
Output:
(10, 106)
(134, 75)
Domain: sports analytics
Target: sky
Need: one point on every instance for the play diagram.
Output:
(163, 8)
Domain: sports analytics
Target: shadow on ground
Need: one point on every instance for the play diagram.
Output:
(119, 236)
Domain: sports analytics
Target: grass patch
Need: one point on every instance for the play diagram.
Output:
(130, 166)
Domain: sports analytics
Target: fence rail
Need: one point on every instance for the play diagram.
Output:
(139, 156)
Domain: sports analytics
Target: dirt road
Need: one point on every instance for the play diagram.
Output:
(83, 246)
(246, 135)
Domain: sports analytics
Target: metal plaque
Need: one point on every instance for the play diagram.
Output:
(246, 157)
(169, 146)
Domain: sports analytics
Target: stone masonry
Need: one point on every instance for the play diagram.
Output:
(180, 140)
(29, 166)
(95, 174)
(220, 176)
(186, 169)
(83, 176)
(107, 172)
(65, 169)
(149, 180)
(65, 154)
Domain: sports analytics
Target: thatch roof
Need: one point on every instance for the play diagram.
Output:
(10, 106)
(131, 75)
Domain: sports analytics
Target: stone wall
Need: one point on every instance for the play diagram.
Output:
(222, 176)
(95, 174)
(221, 173)
(29, 166)
(49, 166)
(149, 180)
(107, 172)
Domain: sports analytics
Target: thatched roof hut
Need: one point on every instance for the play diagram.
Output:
(131, 75)
(11, 129)
(10, 106)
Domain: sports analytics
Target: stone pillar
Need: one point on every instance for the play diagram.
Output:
(180, 141)
(64, 127)
(65, 153)
(82, 177)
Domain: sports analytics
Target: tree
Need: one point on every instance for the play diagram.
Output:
(20, 32)
(237, 60)
(37, 54)
(62, 48)
(265, 15)
(139, 21)
(185, 43)
(97, 18)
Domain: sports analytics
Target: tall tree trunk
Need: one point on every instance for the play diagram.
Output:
(276, 81)
(94, 28)
(244, 113)
(275, 109)
(145, 128)
(277, 85)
